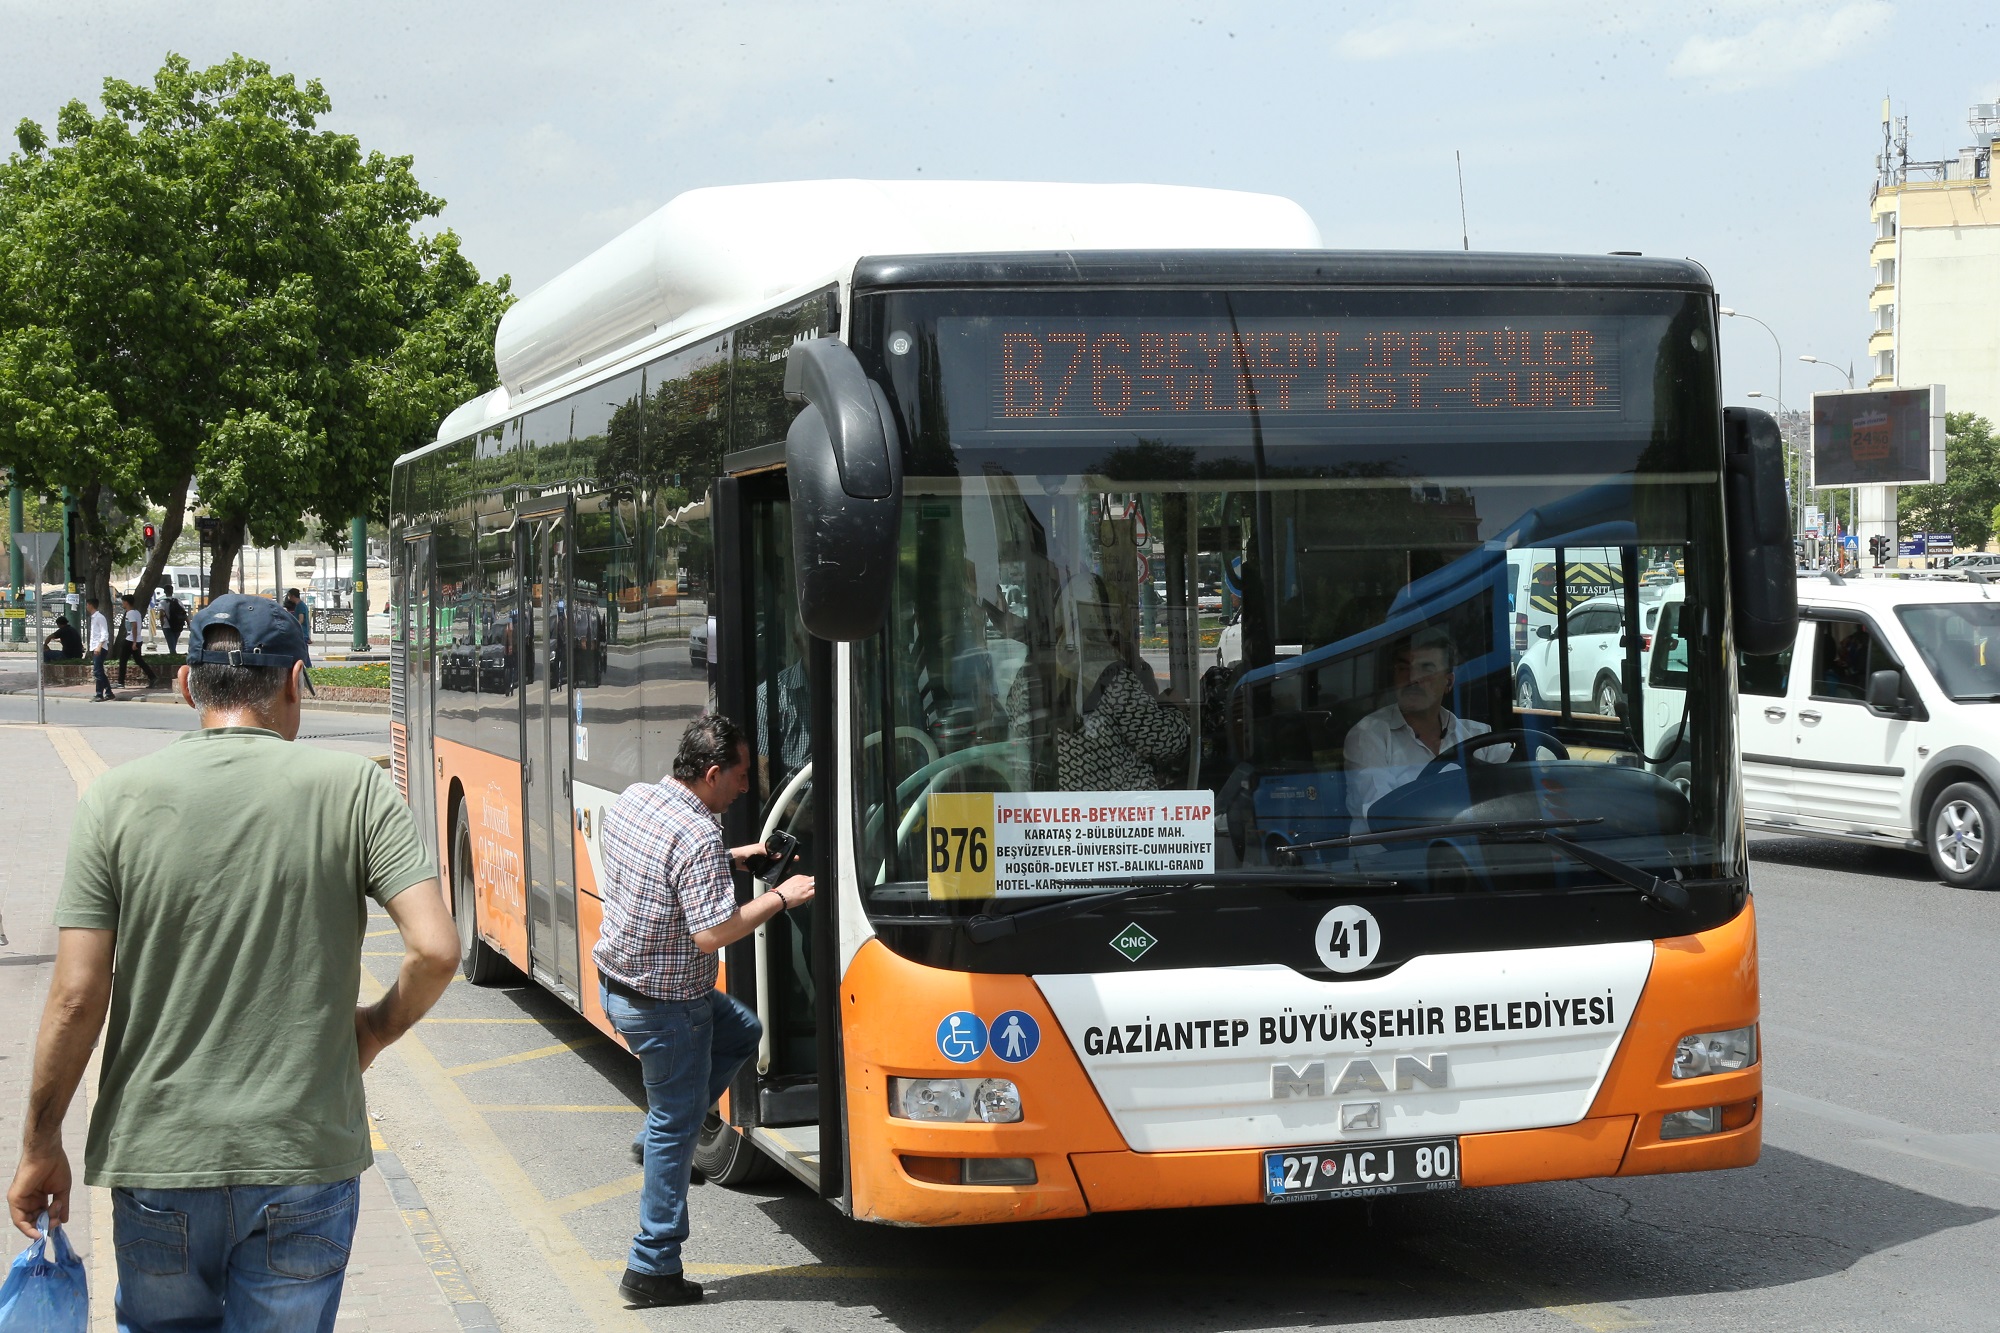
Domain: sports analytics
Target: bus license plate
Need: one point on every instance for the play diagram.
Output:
(1360, 1170)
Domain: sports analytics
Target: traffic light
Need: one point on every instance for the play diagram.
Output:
(1878, 546)
(148, 533)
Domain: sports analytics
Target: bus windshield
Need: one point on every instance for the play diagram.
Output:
(1247, 590)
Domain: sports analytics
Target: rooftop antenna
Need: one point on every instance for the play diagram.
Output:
(1464, 234)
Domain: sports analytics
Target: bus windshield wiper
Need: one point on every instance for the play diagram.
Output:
(1665, 894)
(990, 926)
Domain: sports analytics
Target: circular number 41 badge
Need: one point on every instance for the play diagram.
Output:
(1348, 938)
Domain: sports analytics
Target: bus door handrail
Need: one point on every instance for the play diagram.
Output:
(762, 942)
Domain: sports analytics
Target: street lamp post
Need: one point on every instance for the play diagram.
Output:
(1847, 370)
(1780, 400)
(1854, 513)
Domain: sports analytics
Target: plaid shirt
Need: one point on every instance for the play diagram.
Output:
(667, 877)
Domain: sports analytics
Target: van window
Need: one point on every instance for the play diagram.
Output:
(1845, 653)
(1770, 676)
(1960, 643)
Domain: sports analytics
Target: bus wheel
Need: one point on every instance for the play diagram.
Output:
(1606, 696)
(479, 962)
(727, 1157)
(1961, 833)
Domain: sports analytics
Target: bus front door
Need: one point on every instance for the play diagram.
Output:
(545, 752)
(417, 621)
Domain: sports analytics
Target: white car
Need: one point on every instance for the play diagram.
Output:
(1597, 651)
(1881, 723)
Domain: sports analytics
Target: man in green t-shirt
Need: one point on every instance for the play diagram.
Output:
(230, 1124)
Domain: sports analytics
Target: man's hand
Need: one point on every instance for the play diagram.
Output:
(430, 956)
(41, 1184)
(796, 891)
(740, 856)
(365, 1038)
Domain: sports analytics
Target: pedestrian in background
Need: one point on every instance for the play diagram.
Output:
(669, 907)
(68, 643)
(229, 1123)
(173, 620)
(100, 648)
(299, 612)
(131, 637)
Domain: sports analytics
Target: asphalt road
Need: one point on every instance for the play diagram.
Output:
(1874, 1206)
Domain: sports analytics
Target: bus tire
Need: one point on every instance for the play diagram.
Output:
(478, 962)
(726, 1156)
(1962, 836)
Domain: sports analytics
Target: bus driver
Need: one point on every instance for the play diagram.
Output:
(1390, 746)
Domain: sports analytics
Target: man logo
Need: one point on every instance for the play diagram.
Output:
(1359, 1076)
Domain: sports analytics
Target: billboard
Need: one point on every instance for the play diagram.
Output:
(1878, 437)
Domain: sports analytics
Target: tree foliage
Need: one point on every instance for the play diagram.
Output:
(200, 286)
(1963, 503)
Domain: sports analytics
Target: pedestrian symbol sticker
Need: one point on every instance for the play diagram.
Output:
(1015, 1036)
(961, 1037)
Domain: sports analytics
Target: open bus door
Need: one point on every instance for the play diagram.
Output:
(544, 551)
(776, 682)
(415, 629)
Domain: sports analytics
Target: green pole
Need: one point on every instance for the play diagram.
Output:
(357, 539)
(15, 570)
(69, 559)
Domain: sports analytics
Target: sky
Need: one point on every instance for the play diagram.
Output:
(1740, 134)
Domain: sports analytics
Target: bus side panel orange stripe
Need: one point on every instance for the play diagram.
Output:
(891, 1009)
(492, 787)
(1123, 1181)
(589, 925)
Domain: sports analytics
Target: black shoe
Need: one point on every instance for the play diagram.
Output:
(652, 1290)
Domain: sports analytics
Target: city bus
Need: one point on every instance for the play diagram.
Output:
(944, 483)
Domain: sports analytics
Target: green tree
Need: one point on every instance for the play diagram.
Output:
(201, 291)
(1963, 503)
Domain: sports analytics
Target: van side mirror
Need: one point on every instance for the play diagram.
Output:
(1763, 586)
(844, 468)
(1885, 692)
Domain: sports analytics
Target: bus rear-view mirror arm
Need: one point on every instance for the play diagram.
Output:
(844, 467)
(1763, 584)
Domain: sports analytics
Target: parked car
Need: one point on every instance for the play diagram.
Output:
(1597, 652)
(1881, 724)
(698, 644)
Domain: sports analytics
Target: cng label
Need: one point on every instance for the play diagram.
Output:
(1133, 941)
(1348, 938)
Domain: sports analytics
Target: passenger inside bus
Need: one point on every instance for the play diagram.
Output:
(1122, 734)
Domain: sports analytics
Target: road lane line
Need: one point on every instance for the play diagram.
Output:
(596, 1194)
(563, 1110)
(543, 1227)
(83, 763)
(523, 1057)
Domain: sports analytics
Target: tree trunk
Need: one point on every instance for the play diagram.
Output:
(163, 543)
(223, 544)
(94, 553)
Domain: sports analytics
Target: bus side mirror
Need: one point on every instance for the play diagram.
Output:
(1763, 585)
(844, 467)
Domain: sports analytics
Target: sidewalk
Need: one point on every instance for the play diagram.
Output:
(393, 1285)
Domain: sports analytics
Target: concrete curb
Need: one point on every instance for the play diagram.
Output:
(471, 1312)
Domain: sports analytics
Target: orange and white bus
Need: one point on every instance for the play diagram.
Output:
(945, 490)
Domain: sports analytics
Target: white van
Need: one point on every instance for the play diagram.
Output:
(1881, 723)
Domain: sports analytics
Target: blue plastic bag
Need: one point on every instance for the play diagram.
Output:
(46, 1291)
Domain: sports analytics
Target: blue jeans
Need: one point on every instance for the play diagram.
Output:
(97, 667)
(688, 1052)
(235, 1258)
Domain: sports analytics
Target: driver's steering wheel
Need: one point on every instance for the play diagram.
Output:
(1525, 744)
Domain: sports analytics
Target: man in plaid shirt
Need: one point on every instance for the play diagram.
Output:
(669, 906)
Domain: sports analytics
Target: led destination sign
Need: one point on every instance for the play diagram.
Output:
(1141, 372)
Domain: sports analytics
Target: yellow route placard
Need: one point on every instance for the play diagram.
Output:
(959, 853)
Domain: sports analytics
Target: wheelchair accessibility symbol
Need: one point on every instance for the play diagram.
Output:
(961, 1037)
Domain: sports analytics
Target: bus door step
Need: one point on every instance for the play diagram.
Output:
(790, 1104)
(796, 1149)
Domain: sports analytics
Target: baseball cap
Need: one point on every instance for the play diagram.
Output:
(270, 635)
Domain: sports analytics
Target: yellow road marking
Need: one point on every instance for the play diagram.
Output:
(542, 1225)
(83, 763)
(543, 1022)
(1593, 1315)
(536, 1106)
(521, 1058)
(391, 931)
(590, 1198)
(382, 953)
(376, 1141)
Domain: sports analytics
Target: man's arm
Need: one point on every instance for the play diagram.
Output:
(746, 918)
(1365, 756)
(79, 995)
(430, 956)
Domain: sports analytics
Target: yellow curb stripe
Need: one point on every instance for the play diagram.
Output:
(560, 1110)
(590, 1198)
(522, 1057)
(83, 763)
(540, 1022)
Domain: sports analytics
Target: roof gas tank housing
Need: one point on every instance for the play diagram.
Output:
(714, 256)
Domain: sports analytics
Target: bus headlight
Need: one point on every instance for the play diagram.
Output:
(1715, 1052)
(995, 1101)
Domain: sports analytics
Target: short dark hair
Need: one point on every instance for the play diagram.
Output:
(90, 601)
(127, 599)
(233, 688)
(710, 741)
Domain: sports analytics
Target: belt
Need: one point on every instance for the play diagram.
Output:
(617, 987)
